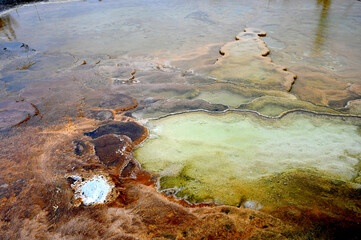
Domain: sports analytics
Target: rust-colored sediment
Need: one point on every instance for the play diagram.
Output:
(26, 66)
(23, 121)
(37, 112)
(143, 137)
(29, 116)
(39, 200)
(45, 207)
(127, 108)
(118, 110)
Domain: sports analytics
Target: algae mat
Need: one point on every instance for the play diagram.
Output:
(207, 157)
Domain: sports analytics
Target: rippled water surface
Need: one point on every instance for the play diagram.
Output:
(254, 104)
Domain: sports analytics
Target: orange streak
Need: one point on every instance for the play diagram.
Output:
(127, 108)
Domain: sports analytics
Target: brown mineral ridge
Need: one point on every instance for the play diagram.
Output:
(37, 201)
(245, 62)
(16, 112)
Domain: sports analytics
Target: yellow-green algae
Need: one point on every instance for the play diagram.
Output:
(308, 190)
(225, 157)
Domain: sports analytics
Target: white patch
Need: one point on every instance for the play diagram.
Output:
(252, 205)
(143, 121)
(138, 116)
(94, 191)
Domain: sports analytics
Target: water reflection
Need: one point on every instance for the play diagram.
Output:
(37, 13)
(7, 25)
(321, 32)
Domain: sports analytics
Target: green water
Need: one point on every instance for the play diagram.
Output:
(213, 156)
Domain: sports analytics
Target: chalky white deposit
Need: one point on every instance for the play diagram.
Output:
(93, 191)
